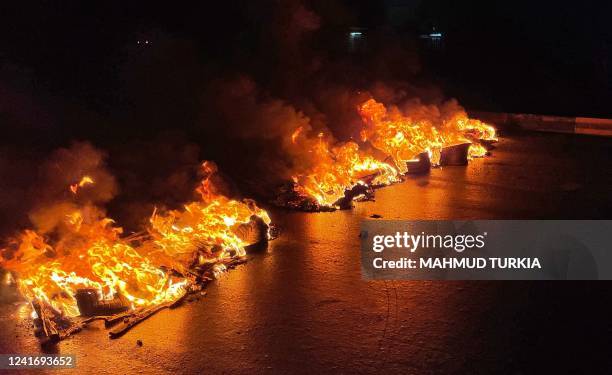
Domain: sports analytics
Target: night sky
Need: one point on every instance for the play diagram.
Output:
(538, 49)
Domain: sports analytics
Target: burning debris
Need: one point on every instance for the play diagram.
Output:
(81, 268)
(397, 144)
(337, 169)
(91, 303)
(77, 266)
(404, 136)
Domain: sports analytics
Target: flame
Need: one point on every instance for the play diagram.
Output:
(89, 251)
(84, 181)
(205, 226)
(296, 134)
(335, 168)
(403, 137)
(338, 168)
(8, 279)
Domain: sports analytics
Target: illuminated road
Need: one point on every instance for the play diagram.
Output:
(301, 306)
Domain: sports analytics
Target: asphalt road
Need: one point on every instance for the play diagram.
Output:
(301, 305)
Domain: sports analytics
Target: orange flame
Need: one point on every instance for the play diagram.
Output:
(84, 181)
(403, 137)
(336, 168)
(88, 251)
(296, 134)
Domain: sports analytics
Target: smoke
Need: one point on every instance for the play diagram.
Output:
(67, 166)
(17, 172)
(259, 128)
(176, 102)
(277, 136)
(36, 191)
(158, 172)
(52, 198)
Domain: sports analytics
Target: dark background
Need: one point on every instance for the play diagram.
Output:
(546, 57)
(84, 71)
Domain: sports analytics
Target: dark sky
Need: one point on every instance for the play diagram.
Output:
(76, 48)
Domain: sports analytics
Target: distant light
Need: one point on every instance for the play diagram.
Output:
(431, 36)
(138, 42)
(355, 33)
(146, 42)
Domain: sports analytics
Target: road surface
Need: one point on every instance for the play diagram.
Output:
(301, 305)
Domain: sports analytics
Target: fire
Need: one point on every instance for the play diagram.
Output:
(88, 251)
(403, 136)
(206, 227)
(338, 168)
(84, 181)
(296, 134)
(89, 254)
(397, 138)
(8, 279)
(80, 248)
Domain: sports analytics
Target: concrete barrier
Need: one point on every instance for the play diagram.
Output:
(594, 126)
(544, 123)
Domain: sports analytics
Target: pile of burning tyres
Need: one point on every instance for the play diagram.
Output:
(85, 269)
(392, 145)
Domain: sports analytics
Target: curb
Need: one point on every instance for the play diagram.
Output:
(555, 124)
